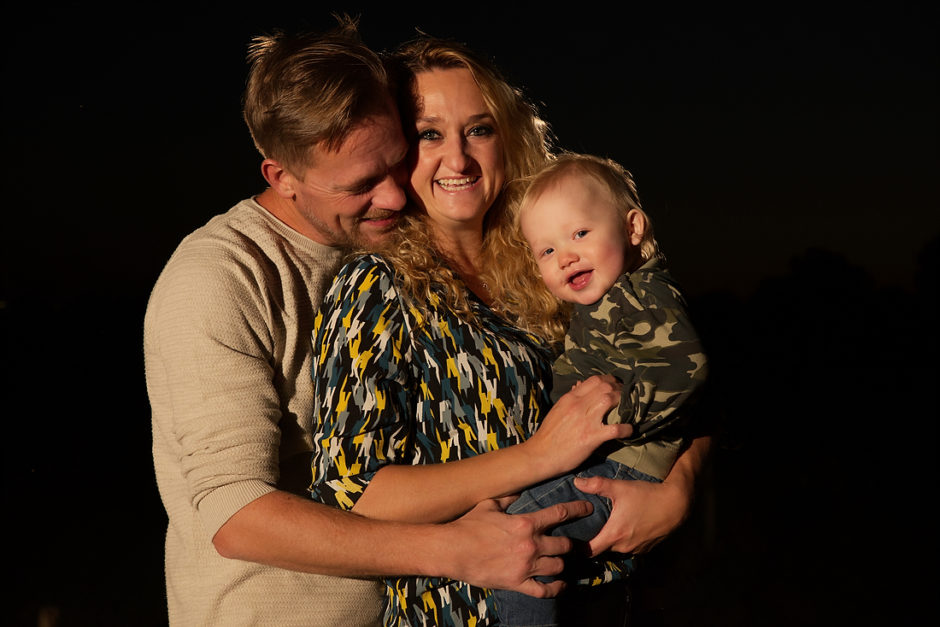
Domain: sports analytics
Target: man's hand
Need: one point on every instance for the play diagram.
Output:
(495, 550)
(642, 513)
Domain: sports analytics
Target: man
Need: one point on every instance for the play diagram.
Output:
(227, 355)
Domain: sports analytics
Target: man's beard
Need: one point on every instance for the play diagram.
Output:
(356, 238)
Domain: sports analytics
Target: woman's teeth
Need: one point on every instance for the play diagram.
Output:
(455, 184)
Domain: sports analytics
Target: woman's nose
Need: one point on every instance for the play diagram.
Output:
(456, 156)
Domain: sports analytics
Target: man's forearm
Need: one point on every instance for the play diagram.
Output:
(288, 531)
(485, 547)
(688, 467)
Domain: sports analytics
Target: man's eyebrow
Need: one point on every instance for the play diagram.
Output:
(370, 181)
(361, 184)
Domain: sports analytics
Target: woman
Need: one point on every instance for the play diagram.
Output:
(416, 360)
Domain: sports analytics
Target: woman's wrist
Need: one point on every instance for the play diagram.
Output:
(537, 459)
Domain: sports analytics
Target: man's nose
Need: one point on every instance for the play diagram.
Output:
(389, 194)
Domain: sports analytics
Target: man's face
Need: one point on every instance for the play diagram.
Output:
(354, 195)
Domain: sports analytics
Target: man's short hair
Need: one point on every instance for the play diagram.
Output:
(308, 89)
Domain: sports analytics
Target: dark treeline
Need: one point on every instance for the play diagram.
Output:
(816, 509)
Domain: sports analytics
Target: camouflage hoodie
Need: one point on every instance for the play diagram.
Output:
(639, 332)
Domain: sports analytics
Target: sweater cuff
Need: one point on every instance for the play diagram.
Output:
(222, 503)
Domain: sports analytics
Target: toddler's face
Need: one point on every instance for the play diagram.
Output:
(578, 238)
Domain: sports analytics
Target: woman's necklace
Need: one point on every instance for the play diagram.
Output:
(484, 292)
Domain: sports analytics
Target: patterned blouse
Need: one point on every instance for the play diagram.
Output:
(394, 387)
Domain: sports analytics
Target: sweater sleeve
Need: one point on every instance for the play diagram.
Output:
(360, 357)
(208, 363)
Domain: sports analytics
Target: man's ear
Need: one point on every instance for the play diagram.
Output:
(636, 226)
(277, 176)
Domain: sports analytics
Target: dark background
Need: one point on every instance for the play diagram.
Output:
(786, 152)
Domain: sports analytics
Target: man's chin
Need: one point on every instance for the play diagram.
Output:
(373, 232)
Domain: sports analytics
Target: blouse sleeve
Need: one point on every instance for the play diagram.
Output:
(360, 375)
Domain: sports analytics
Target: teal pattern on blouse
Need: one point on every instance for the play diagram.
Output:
(394, 386)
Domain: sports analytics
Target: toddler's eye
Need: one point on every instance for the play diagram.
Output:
(547, 252)
(580, 234)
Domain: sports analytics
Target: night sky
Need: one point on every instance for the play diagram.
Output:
(787, 155)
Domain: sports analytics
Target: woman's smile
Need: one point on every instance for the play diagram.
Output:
(456, 185)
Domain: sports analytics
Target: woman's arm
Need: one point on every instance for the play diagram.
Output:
(438, 492)
(367, 391)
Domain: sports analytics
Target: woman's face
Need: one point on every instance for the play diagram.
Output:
(458, 169)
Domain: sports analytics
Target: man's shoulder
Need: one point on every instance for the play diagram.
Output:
(247, 237)
(243, 227)
(242, 255)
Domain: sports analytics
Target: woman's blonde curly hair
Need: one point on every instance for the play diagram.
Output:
(424, 272)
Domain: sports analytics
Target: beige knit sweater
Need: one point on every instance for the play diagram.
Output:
(227, 354)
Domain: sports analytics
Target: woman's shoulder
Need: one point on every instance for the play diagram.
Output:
(363, 299)
(362, 267)
(365, 281)
(365, 261)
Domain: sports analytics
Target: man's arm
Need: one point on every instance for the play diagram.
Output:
(484, 547)
(644, 513)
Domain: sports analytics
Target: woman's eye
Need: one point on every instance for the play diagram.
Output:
(428, 134)
(480, 131)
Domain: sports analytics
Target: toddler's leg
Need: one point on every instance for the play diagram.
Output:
(562, 490)
(520, 610)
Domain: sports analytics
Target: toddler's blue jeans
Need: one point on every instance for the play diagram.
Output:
(520, 610)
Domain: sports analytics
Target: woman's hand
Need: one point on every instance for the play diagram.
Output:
(575, 426)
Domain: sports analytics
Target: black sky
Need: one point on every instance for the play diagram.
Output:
(753, 136)
(787, 153)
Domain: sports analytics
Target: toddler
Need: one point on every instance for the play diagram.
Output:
(595, 249)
